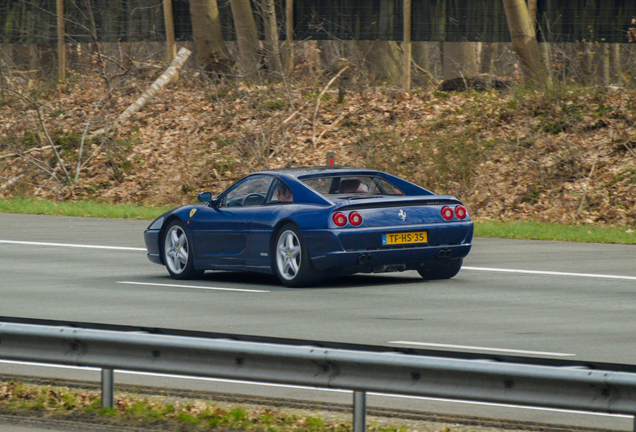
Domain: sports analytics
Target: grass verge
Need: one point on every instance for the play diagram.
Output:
(80, 208)
(161, 413)
(547, 231)
(494, 229)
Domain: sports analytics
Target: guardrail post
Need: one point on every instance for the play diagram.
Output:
(359, 411)
(107, 388)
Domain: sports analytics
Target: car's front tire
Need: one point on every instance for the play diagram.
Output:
(177, 252)
(291, 260)
(445, 272)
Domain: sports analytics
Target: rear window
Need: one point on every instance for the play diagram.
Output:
(352, 185)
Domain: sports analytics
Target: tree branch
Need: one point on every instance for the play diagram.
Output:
(46, 133)
(313, 126)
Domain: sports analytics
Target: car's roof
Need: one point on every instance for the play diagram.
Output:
(299, 172)
(294, 176)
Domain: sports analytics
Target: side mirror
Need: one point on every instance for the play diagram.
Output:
(205, 197)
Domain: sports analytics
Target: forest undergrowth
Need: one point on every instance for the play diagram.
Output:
(564, 156)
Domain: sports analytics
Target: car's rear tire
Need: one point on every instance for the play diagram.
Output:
(177, 252)
(290, 259)
(446, 272)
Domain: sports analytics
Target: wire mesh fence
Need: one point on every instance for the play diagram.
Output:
(34, 21)
(572, 32)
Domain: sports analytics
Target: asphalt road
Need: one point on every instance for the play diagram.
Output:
(532, 298)
(572, 316)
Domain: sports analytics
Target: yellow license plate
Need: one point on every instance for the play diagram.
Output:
(404, 238)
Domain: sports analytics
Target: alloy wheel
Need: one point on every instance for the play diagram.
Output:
(176, 249)
(288, 255)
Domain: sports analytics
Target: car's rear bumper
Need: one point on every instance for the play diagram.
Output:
(390, 259)
(361, 250)
(151, 237)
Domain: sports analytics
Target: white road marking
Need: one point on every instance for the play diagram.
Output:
(264, 384)
(550, 273)
(487, 269)
(72, 245)
(437, 345)
(193, 287)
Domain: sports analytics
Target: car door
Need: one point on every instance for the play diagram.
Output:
(263, 222)
(221, 233)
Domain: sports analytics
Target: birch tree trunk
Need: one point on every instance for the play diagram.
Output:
(155, 88)
(524, 41)
(272, 48)
(247, 38)
(212, 52)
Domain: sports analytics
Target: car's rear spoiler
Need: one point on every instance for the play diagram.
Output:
(362, 203)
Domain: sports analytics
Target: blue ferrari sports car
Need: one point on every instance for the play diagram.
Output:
(301, 224)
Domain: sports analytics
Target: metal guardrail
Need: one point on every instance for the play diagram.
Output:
(360, 371)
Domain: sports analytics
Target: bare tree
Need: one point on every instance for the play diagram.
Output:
(603, 66)
(615, 63)
(524, 40)
(487, 58)
(247, 37)
(422, 55)
(206, 28)
(459, 57)
(383, 57)
(459, 60)
(432, 15)
(272, 49)
(533, 8)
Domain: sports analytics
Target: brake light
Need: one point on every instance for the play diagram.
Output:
(355, 218)
(447, 213)
(460, 211)
(339, 219)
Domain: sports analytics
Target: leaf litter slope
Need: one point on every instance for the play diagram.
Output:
(517, 155)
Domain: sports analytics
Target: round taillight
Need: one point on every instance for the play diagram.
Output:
(355, 218)
(339, 219)
(460, 211)
(447, 213)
